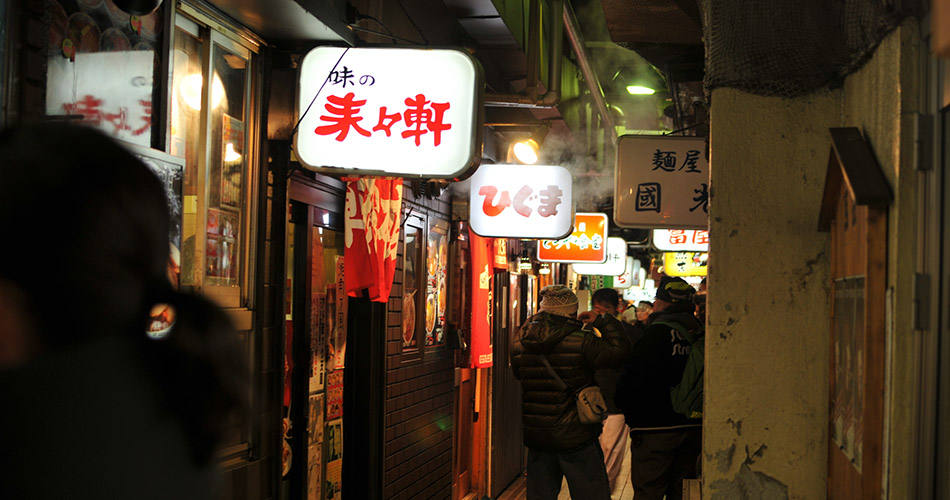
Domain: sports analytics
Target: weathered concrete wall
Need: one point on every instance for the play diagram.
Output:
(767, 358)
(881, 99)
(766, 396)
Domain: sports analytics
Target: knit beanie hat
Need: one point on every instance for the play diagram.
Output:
(558, 299)
(674, 289)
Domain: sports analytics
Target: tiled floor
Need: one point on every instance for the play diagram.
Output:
(623, 490)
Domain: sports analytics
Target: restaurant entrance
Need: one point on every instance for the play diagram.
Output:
(315, 313)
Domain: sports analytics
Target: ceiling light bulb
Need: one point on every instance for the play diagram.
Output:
(230, 155)
(526, 151)
(640, 90)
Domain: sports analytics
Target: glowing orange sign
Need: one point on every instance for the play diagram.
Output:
(588, 242)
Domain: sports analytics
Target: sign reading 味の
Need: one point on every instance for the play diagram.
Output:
(521, 201)
(389, 111)
(661, 182)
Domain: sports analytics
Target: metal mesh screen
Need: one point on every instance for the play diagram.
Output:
(786, 48)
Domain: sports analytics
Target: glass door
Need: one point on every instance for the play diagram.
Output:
(315, 346)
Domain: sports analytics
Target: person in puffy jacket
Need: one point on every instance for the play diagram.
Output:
(559, 445)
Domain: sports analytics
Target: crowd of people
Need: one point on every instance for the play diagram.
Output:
(647, 363)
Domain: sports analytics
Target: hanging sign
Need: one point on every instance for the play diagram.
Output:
(614, 265)
(521, 201)
(372, 221)
(625, 280)
(588, 242)
(661, 182)
(681, 240)
(389, 111)
(481, 251)
(685, 263)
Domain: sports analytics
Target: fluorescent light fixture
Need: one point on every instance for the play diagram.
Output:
(640, 90)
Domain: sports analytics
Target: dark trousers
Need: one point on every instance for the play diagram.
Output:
(584, 469)
(660, 460)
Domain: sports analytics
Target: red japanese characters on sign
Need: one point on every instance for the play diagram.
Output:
(375, 111)
(521, 201)
(681, 240)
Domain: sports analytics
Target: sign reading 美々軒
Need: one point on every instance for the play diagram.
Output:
(588, 242)
(681, 240)
(521, 201)
(661, 182)
(685, 263)
(614, 265)
(388, 111)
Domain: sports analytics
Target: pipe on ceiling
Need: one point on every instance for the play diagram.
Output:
(565, 23)
(583, 61)
(552, 97)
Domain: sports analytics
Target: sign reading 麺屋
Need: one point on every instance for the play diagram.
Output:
(681, 240)
(615, 264)
(588, 242)
(389, 111)
(521, 201)
(661, 182)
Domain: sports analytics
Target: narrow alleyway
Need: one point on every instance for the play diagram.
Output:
(623, 491)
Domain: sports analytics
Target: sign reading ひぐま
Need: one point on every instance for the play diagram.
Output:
(661, 182)
(588, 242)
(389, 111)
(521, 201)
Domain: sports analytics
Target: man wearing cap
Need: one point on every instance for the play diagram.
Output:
(664, 445)
(559, 445)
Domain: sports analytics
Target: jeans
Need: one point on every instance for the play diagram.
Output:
(660, 460)
(583, 467)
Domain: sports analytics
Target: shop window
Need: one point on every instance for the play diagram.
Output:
(103, 67)
(210, 128)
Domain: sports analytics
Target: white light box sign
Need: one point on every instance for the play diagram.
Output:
(625, 280)
(389, 111)
(661, 182)
(681, 240)
(521, 201)
(616, 260)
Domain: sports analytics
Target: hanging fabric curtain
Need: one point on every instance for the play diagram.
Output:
(372, 222)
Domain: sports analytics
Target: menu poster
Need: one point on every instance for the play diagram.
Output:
(335, 394)
(315, 448)
(337, 347)
(437, 255)
(318, 341)
(334, 449)
(170, 171)
(232, 154)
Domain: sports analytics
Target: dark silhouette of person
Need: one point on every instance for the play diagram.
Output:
(93, 406)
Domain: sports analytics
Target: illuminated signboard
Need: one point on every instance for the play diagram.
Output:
(521, 201)
(630, 273)
(389, 111)
(685, 263)
(615, 264)
(588, 242)
(661, 182)
(681, 240)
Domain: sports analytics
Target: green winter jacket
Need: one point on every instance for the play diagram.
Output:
(549, 414)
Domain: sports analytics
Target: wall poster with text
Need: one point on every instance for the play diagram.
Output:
(315, 448)
(334, 449)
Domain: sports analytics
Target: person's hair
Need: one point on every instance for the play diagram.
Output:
(86, 229)
(644, 305)
(607, 296)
